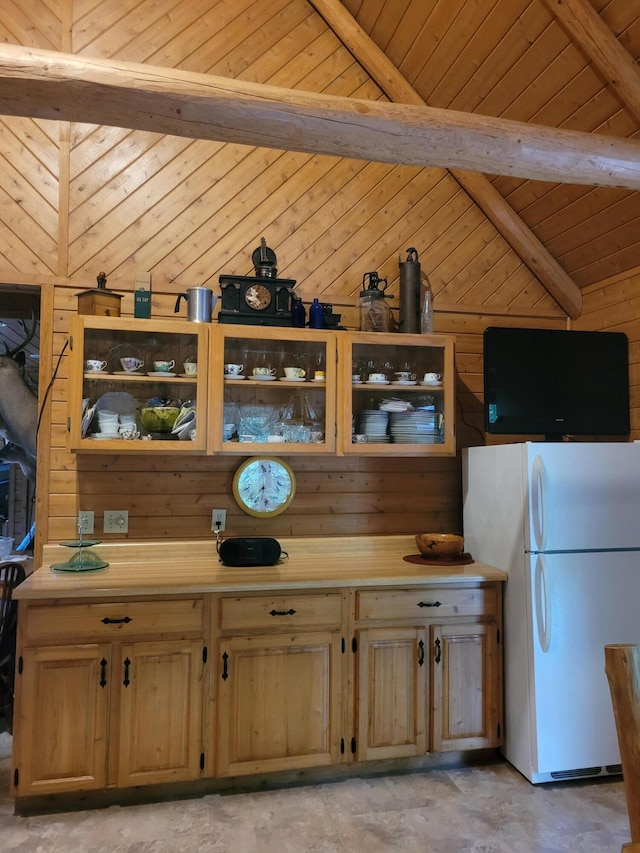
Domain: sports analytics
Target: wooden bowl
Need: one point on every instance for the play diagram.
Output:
(440, 546)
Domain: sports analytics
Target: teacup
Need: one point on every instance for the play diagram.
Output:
(404, 376)
(319, 375)
(355, 377)
(377, 377)
(163, 366)
(129, 431)
(129, 363)
(432, 378)
(295, 372)
(264, 371)
(191, 368)
(94, 365)
(233, 369)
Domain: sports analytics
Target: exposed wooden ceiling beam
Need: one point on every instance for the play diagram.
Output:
(396, 87)
(599, 44)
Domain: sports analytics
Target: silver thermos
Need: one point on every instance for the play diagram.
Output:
(200, 304)
(410, 293)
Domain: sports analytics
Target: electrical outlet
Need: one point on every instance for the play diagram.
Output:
(86, 521)
(116, 521)
(219, 519)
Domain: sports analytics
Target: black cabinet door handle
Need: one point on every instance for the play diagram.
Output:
(438, 650)
(103, 672)
(429, 604)
(108, 621)
(282, 612)
(421, 658)
(127, 664)
(225, 660)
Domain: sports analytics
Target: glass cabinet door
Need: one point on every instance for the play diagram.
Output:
(397, 394)
(278, 390)
(137, 385)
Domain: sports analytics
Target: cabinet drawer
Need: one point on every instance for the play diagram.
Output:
(112, 621)
(281, 612)
(425, 603)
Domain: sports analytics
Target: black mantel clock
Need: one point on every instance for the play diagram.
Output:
(263, 299)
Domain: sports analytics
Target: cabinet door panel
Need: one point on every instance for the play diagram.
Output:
(63, 697)
(279, 704)
(392, 693)
(160, 712)
(465, 685)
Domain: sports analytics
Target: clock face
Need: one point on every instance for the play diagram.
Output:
(264, 486)
(258, 297)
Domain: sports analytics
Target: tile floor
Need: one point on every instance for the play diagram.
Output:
(488, 809)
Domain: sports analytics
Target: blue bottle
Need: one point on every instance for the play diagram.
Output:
(316, 315)
(298, 313)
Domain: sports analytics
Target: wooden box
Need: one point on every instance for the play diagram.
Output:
(99, 302)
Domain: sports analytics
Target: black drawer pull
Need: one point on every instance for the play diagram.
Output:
(107, 621)
(282, 612)
(429, 604)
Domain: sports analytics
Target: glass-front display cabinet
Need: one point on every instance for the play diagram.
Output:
(137, 385)
(396, 394)
(272, 390)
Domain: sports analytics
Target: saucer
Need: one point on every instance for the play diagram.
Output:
(106, 435)
(293, 379)
(405, 382)
(128, 373)
(431, 384)
(235, 376)
(97, 373)
(188, 375)
(379, 382)
(265, 378)
(164, 373)
(318, 380)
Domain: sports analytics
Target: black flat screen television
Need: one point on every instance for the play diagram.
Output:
(555, 383)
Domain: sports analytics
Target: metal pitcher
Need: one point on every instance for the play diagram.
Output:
(200, 304)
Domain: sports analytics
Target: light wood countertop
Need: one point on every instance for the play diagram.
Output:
(193, 567)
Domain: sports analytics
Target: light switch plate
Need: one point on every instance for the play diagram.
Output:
(116, 521)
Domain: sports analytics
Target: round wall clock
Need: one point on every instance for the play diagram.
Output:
(258, 297)
(264, 486)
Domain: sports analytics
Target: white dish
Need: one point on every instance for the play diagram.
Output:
(430, 384)
(318, 380)
(188, 375)
(163, 373)
(96, 373)
(405, 382)
(235, 376)
(128, 373)
(292, 379)
(86, 419)
(265, 378)
(356, 381)
(379, 382)
(105, 435)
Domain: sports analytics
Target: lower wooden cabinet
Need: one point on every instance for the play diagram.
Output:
(125, 712)
(121, 694)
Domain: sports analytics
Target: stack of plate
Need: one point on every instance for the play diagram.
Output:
(416, 427)
(373, 423)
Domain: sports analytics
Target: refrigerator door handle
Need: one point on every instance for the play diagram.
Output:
(539, 495)
(542, 605)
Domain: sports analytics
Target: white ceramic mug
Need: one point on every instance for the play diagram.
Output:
(163, 366)
(295, 372)
(191, 368)
(233, 369)
(130, 363)
(94, 365)
(377, 377)
(432, 378)
(264, 371)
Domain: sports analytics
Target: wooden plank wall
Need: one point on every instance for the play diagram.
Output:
(81, 199)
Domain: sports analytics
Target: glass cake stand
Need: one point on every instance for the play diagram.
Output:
(84, 560)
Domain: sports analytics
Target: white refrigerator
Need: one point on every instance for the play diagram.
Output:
(563, 519)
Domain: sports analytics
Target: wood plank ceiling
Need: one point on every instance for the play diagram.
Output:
(515, 59)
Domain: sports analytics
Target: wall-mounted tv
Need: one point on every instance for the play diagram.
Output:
(555, 383)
